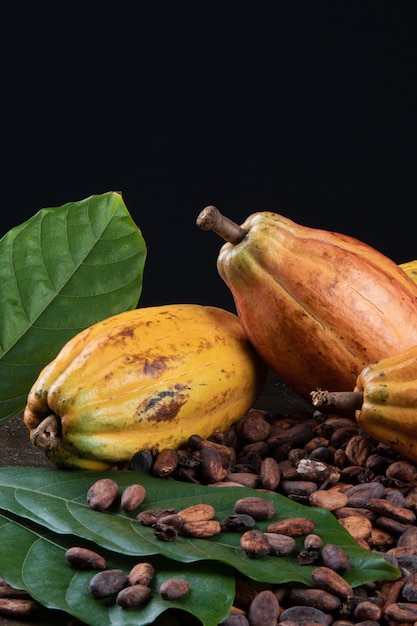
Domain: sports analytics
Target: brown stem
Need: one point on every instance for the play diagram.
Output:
(47, 435)
(210, 218)
(338, 400)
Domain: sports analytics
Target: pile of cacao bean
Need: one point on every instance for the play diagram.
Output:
(316, 459)
(322, 460)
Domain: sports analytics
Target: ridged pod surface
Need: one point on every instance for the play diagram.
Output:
(389, 404)
(410, 268)
(318, 306)
(143, 379)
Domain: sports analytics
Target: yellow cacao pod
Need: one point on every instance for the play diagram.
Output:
(384, 401)
(148, 378)
(410, 268)
(389, 402)
(318, 306)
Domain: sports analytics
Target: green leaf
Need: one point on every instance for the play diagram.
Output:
(57, 500)
(37, 563)
(63, 270)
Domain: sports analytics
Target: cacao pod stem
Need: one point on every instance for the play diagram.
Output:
(210, 218)
(340, 400)
(47, 435)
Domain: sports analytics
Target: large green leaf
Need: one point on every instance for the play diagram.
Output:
(57, 500)
(37, 563)
(60, 272)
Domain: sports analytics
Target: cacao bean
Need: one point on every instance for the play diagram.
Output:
(141, 574)
(381, 506)
(150, 517)
(165, 463)
(293, 526)
(317, 598)
(401, 612)
(173, 519)
(304, 616)
(245, 479)
(329, 499)
(269, 474)
(359, 495)
(264, 609)
(298, 488)
(408, 539)
(19, 608)
(102, 494)
(313, 542)
(254, 428)
(211, 465)
(366, 610)
(325, 578)
(258, 508)
(357, 450)
(336, 558)
(135, 595)
(237, 523)
(409, 590)
(254, 544)
(108, 583)
(201, 529)
(402, 473)
(280, 545)
(357, 525)
(197, 513)
(132, 497)
(165, 532)
(84, 558)
(174, 588)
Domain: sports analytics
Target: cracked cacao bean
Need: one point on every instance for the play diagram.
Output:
(151, 516)
(166, 463)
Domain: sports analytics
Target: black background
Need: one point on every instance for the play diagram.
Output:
(307, 109)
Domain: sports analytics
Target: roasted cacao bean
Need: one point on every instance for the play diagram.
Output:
(102, 494)
(132, 497)
(108, 583)
(84, 558)
(134, 595)
(174, 588)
